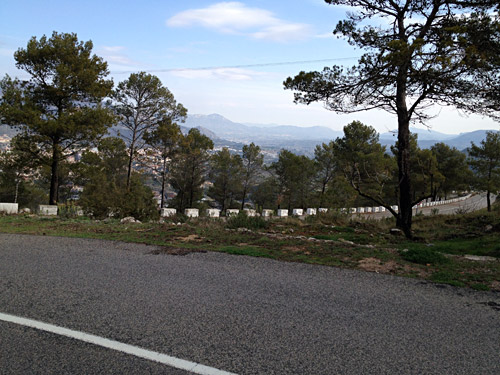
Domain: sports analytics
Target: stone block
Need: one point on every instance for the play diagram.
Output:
(360, 210)
(267, 213)
(376, 209)
(368, 210)
(168, 212)
(192, 212)
(250, 212)
(322, 210)
(311, 211)
(47, 210)
(232, 212)
(282, 213)
(213, 212)
(382, 209)
(395, 208)
(9, 208)
(297, 212)
(352, 210)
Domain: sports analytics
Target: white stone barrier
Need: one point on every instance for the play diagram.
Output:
(282, 213)
(322, 210)
(47, 210)
(267, 213)
(360, 210)
(368, 210)
(192, 212)
(382, 209)
(9, 208)
(297, 212)
(311, 211)
(168, 212)
(232, 212)
(376, 209)
(213, 212)
(250, 212)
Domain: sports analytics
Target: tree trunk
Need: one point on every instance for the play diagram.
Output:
(323, 188)
(54, 179)
(488, 200)
(243, 198)
(163, 183)
(129, 171)
(405, 213)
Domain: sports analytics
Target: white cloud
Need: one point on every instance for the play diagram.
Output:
(116, 55)
(228, 74)
(325, 35)
(237, 18)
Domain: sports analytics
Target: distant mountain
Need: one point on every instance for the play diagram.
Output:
(423, 135)
(301, 140)
(427, 139)
(265, 135)
(461, 141)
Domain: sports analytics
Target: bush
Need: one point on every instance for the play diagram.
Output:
(424, 256)
(68, 210)
(102, 198)
(242, 220)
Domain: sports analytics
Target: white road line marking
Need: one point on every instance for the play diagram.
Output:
(182, 364)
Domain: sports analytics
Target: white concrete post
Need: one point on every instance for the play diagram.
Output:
(282, 213)
(9, 208)
(192, 212)
(250, 212)
(267, 213)
(167, 212)
(311, 211)
(213, 212)
(48, 210)
(232, 212)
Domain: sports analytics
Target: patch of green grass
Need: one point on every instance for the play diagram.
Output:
(246, 250)
(487, 245)
(480, 286)
(424, 256)
(447, 277)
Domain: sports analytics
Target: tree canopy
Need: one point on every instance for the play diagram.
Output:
(141, 102)
(418, 53)
(485, 163)
(60, 107)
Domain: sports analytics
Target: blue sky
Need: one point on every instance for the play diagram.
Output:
(216, 57)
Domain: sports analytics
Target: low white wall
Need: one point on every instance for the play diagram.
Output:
(232, 212)
(167, 212)
(192, 212)
(9, 208)
(282, 213)
(213, 212)
(47, 210)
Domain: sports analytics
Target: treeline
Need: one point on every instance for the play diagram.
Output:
(355, 170)
(64, 111)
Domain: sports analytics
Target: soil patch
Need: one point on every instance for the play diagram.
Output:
(175, 251)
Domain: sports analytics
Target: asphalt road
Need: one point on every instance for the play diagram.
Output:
(234, 313)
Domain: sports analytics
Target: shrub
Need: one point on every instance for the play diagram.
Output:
(244, 221)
